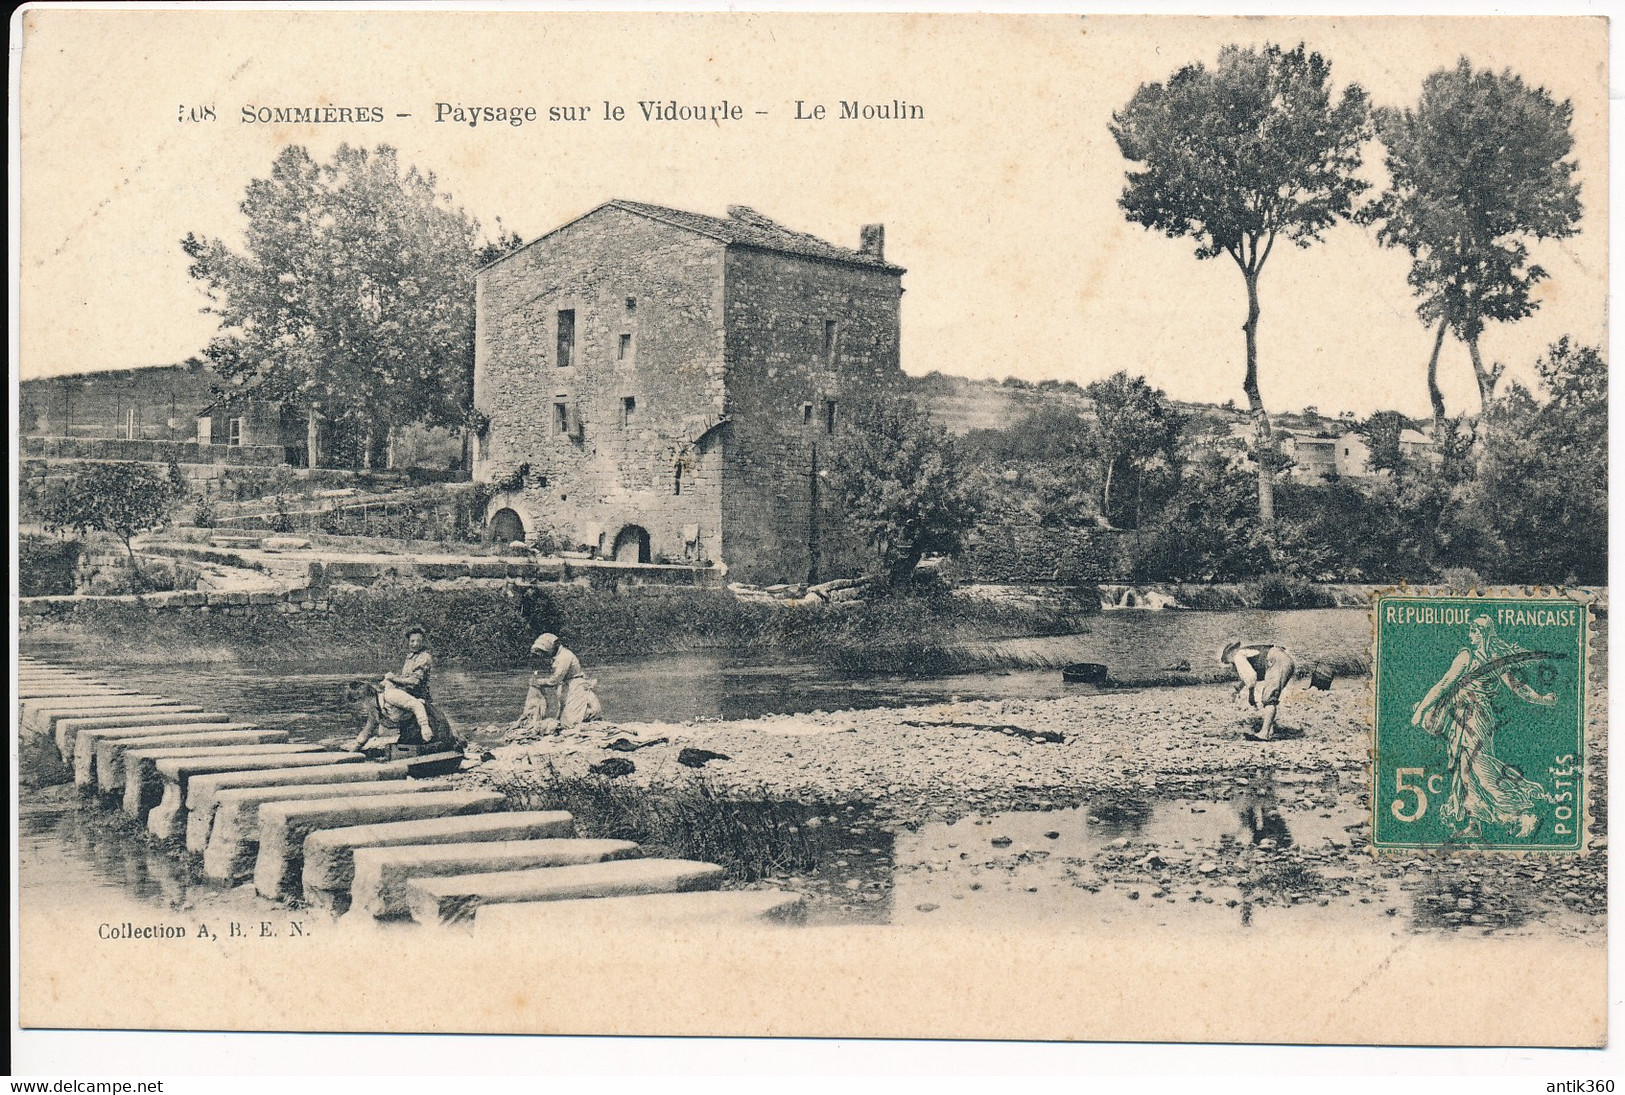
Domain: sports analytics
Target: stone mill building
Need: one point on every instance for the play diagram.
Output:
(668, 386)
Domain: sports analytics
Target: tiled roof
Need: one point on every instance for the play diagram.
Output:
(742, 227)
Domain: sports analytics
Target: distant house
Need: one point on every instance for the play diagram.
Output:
(1353, 456)
(239, 422)
(1314, 458)
(665, 384)
(1415, 443)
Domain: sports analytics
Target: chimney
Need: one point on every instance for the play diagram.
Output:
(872, 239)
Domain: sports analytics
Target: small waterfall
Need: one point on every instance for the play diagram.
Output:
(1116, 597)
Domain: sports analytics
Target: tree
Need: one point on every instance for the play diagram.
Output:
(1381, 432)
(1133, 425)
(899, 481)
(1543, 482)
(1477, 171)
(121, 498)
(1237, 157)
(353, 299)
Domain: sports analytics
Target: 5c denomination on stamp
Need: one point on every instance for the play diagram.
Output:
(1479, 735)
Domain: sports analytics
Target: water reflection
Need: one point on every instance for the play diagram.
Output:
(81, 854)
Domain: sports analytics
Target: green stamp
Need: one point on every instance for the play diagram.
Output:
(1479, 739)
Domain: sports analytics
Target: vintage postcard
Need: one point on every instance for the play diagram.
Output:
(1049, 527)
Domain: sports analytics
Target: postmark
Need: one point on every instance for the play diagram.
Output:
(1479, 729)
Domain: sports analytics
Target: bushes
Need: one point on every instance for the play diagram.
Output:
(751, 836)
(45, 566)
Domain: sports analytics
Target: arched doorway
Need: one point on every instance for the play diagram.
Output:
(631, 545)
(506, 526)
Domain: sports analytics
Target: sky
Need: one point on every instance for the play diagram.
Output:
(1001, 201)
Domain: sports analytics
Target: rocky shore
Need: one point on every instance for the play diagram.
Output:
(1153, 803)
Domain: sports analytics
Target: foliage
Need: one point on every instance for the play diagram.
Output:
(899, 481)
(750, 835)
(1478, 170)
(1543, 481)
(45, 566)
(1038, 471)
(1209, 531)
(354, 296)
(1381, 432)
(1133, 428)
(1236, 157)
(121, 498)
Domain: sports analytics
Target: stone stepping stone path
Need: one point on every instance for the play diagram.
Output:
(110, 751)
(203, 793)
(718, 908)
(68, 730)
(285, 825)
(378, 887)
(354, 836)
(330, 853)
(447, 900)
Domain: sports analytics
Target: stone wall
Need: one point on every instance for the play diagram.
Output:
(646, 299)
(805, 339)
(1027, 553)
(153, 452)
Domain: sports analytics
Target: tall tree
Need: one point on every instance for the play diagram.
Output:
(1477, 171)
(353, 298)
(1132, 426)
(900, 483)
(1254, 150)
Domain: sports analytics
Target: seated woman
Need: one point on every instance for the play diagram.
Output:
(390, 710)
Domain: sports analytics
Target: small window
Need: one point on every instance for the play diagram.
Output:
(806, 414)
(561, 417)
(829, 335)
(236, 437)
(567, 337)
(829, 416)
(629, 409)
(541, 480)
(631, 305)
(625, 350)
(677, 480)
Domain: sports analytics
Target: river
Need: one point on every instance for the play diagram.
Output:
(305, 697)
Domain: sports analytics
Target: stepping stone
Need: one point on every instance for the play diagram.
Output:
(382, 874)
(111, 753)
(167, 820)
(329, 854)
(88, 742)
(724, 909)
(43, 715)
(285, 825)
(67, 690)
(67, 730)
(446, 900)
(203, 792)
(144, 787)
(234, 838)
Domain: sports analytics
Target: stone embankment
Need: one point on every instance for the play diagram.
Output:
(342, 831)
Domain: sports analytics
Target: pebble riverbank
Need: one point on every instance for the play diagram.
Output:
(1158, 779)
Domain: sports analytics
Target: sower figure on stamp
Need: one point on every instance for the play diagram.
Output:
(1263, 671)
(1460, 708)
(576, 701)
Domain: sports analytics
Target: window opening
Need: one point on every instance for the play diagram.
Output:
(829, 416)
(567, 337)
(561, 417)
(806, 414)
(625, 350)
(629, 409)
(236, 436)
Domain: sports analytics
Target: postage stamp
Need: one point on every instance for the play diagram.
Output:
(1479, 736)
